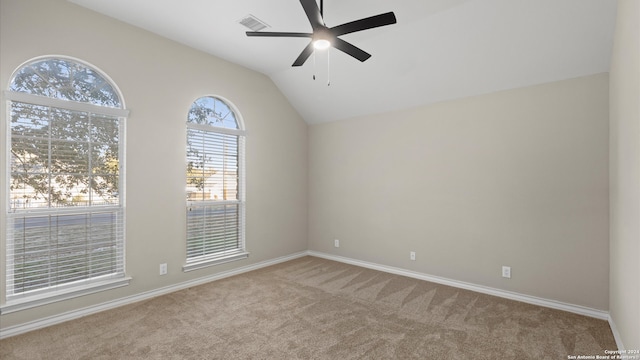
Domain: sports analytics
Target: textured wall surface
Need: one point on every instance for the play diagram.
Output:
(625, 175)
(517, 178)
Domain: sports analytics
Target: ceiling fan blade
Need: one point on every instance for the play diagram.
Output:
(304, 55)
(313, 13)
(277, 34)
(350, 49)
(364, 24)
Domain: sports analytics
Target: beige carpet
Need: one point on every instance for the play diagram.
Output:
(312, 308)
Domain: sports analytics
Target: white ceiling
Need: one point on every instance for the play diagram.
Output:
(438, 50)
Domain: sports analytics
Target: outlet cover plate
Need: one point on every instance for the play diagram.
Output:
(506, 272)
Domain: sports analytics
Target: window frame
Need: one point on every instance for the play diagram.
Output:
(92, 284)
(203, 261)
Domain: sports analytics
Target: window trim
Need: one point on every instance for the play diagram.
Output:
(29, 302)
(18, 302)
(205, 261)
(64, 104)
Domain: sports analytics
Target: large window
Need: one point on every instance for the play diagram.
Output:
(65, 216)
(215, 185)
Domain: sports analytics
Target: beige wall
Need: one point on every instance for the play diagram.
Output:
(517, 178)
(624, 300)
(159, 80)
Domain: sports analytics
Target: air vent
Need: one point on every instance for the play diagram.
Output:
(253, 23)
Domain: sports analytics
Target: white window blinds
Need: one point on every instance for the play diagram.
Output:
(65, 220)
(215, 200)
(50, 252)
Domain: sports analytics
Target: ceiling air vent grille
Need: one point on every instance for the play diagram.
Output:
(253, 23)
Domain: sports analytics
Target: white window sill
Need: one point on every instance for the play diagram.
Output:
(195, 265)
(52, 297)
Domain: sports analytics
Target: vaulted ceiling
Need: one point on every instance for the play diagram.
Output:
(438, 50)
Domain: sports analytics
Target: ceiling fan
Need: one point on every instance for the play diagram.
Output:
(323, 37)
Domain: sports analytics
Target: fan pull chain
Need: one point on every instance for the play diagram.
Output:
(314, 64)
(328, 67)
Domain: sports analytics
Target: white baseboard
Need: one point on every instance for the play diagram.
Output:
(553, 304)
(616, 334)
(75, 314)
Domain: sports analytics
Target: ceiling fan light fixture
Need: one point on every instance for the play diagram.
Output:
(323, 37)
(321, 44)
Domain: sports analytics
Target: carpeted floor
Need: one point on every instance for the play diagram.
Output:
(312, 308)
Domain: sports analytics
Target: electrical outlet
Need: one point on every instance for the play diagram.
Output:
(506, 272)
(336, 243)
(412, 255)
(163, 269)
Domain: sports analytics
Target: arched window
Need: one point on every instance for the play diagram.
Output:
(65, 229)
(215, 183)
